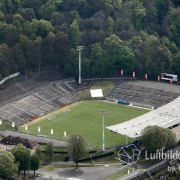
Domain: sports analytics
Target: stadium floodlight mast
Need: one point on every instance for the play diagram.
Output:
(103, 135)
(80, 48)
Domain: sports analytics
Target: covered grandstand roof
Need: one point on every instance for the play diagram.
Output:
(165, 116)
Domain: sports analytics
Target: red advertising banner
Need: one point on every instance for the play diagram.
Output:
(134, 75)
(146, 76)
(122, 72)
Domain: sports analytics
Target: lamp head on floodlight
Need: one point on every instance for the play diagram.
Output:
(79, 48)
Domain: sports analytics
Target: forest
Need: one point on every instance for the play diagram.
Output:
(133, 35)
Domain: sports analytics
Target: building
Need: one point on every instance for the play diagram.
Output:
(11, 140)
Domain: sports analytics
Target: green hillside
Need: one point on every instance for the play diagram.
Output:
(140, 35)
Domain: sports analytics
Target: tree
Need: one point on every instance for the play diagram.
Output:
(47, 49)
(61, 49)
(55, 2)
(171, 140)
(2, 18)
(111, 6)
(98, 21)
(57, 18)
(71, 4)
(4, 66)
(110, 26)
(38, 152)
(8, 167)
(12, 35)
(96, 57)
(117, 55)
(34, 4)
(5, 52)
(47, 10)
(153, 55)
(176, 66)
(18, 57)
(173, 30)
(137, 12)
(155, 138)
(22, 156)
(49, 151)
(28, 14)
(18, 21)
(34, 163)
(33, 52)
(42, 27)
(9, 6)
(72, 63)
(77, 147)
(74, 33)
(149, 28)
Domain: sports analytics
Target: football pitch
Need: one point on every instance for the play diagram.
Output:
(85, 117)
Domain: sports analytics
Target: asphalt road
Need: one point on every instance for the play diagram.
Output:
(84, 173)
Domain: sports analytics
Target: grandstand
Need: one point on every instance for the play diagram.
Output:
(32, 101)
(156, 95)
(167, 116)
(163, 97)
(145, 93)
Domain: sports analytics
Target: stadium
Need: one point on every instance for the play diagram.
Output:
(85, 81)
(56, 109)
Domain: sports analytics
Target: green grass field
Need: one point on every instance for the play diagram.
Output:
(85, 118)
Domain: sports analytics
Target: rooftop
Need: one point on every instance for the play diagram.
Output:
(165, 116)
